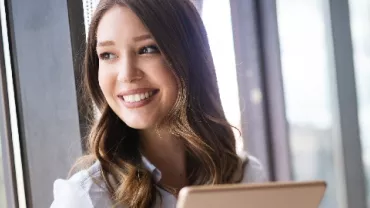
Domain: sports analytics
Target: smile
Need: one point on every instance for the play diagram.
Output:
(137, 97)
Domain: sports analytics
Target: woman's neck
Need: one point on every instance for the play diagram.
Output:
(160, 144)
(167, 153)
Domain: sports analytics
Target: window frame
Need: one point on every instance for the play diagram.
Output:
(348, 151)
(257, 53)
(7, 162)
(48, 117)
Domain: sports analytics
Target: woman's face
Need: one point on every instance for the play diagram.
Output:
(133, 75)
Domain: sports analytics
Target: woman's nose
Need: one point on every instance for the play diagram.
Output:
(128, 70)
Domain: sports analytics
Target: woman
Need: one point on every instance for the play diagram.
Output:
(149, 70)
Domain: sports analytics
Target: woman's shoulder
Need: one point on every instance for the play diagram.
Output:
(85, 188)
(253, 171)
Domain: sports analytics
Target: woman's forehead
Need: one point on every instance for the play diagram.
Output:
(120, 22)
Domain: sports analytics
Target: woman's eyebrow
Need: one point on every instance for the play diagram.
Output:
(105, 43)
(142, 37)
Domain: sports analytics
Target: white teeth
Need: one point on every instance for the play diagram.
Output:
(137, 97)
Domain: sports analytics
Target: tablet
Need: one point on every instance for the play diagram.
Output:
(267, 195)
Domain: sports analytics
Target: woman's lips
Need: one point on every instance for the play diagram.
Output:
(138, 98)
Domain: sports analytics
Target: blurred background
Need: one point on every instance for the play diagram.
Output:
(294, 77)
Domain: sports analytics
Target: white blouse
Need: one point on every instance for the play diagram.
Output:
(86, 189)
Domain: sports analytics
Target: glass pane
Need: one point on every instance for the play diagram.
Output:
(2, 184)
(89, 8)
(217, 19)
(306, 74)
(360, 25)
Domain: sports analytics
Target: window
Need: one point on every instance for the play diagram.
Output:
(306, 68)
(360, 15)
(89, 7)
(217, 19)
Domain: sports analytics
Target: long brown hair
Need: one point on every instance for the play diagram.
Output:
(197, 116)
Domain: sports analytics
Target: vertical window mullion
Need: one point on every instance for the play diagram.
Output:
(349, 152)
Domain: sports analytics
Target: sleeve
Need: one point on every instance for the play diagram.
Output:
(254, 171)
(70, 194)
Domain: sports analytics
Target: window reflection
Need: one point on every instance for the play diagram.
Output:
(306, 71)
(360, 25)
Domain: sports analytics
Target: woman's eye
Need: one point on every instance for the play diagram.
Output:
(149, 49)
(107, 56)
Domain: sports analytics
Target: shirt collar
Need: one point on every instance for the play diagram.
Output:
(238, 175)
(156, 173)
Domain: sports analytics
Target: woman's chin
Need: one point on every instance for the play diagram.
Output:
(139, 125)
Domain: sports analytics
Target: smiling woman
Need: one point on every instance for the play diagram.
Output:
(149, 70)
(133, 74)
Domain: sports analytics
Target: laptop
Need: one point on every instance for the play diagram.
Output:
(267, 195)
